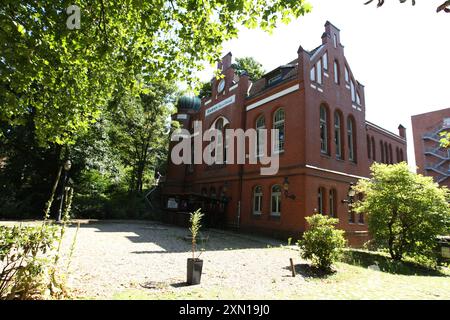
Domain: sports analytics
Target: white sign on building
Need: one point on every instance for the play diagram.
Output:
(222, 104)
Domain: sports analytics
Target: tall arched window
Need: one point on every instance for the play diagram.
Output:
(323, 129)
(374, 150)
(336, 72)
(332, 203)
(260, 137)
(382, 151)
(219, 156)
(278, 123)
(275, 202)
(337, 135)
(369, 147)
(351, 139)
(257, 200)
(225, 143)
(320, 200)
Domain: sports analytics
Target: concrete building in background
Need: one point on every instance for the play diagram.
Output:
(324, 144)
(431, 159)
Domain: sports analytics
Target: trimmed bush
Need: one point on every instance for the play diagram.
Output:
(322, 243)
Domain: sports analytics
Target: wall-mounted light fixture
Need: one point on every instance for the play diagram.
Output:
(286, 189)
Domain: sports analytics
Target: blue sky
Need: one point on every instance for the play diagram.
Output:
(399, 52)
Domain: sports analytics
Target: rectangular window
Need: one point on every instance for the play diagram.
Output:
(312, 74)
(347, 77)
(319, 72)
(352, 88)
(335, 40)
(336, 73)
(325, 61)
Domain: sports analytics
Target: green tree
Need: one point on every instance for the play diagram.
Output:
(139, 130)
(253, 68)
(66, 77)
(205, 90)
(445, 6)
(445, 140)
(405, 211)
(322, 243)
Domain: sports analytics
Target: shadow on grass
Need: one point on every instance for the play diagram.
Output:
(308, 271)
(384, 263)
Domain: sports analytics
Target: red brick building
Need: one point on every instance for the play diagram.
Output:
(325, 143)
(431, 159)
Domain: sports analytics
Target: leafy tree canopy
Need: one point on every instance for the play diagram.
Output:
(66, 76)
(405, 211)
(445, 6)
(249, 65)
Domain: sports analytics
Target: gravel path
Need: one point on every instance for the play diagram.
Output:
(110, 257)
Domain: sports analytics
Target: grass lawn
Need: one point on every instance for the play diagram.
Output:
(352, 279)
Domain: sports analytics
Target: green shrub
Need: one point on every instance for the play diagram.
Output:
(27, 260)
(322, 243)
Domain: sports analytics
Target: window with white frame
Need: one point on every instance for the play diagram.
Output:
(336, 72)
(323, 129)
(351, 139)
(337, 135)
(325, 61)
(347, 76)
(312, 74)
(278, 124)
(275, 204)
(257, 200)
(320, 198)
(319, 71)
(352, 90)
(260, 137)
(332, 205)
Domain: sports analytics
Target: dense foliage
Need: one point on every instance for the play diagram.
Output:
(445, 6)
(250, 66)
(322, 243)
(27, 262)
(406, 211)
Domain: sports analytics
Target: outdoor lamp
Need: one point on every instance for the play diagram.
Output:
(350, 195)
(286, 189)
(67, 165)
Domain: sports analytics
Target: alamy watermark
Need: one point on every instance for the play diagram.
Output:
(222, 146)
(74, 19)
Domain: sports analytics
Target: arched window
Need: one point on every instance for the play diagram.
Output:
(319, 71)
(337, 135)
(325, 61)
(323, 129)
(275, 204)
(369, 147)
(332, 203)
(352, 90)
(320, 200)
(351, 139)
(336, 72)
(278, 123)
(260, 137)
(382, 151)
(219, 156)
(257, 200)
(374, 150)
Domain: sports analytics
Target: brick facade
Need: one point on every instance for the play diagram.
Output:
(431, 159)
(311, 159)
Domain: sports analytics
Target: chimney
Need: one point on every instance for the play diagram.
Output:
(225, 63)
(402, 131)
(331, 34)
